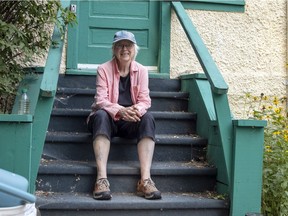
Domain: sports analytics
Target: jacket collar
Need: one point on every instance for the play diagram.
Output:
(133, 66)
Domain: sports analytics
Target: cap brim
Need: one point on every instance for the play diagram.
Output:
(120, 39)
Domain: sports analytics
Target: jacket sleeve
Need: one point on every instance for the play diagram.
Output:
(103, 94)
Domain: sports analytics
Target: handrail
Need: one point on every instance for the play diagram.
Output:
(15, 192)
(215, 78)
(51, 71)
(53, 61)
(219, 90)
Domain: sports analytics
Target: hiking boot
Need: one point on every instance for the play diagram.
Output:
(102, 190)
(148, 189)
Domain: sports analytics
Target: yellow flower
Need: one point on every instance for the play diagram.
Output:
(276, 132)
(286, 137)
(277, 110)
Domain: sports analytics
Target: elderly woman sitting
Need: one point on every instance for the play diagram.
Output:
(121, 109)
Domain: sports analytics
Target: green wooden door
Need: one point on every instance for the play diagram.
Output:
(89, 43)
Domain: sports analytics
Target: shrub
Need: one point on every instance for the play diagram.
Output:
(24, 34)
(275, 161)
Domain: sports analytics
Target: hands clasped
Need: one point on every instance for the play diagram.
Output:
(130, 114)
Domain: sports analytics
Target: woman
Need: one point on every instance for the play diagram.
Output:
(120, 109)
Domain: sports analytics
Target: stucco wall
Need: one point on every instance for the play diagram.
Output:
(249, 48)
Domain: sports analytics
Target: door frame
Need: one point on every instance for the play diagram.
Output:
(163, 50)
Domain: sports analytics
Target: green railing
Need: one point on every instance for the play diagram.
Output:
(22, 137)
(231, 147)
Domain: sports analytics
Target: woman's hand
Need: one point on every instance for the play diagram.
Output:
(130, 114)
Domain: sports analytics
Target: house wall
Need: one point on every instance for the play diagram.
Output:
(249, 49)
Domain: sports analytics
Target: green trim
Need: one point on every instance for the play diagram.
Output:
(81, 72)
(94, 72)
(249, 123)
(164, 43)
(16, 118)
(230, 2)
(217, 5)
(159, 75)
(193, 76)
(72, 41)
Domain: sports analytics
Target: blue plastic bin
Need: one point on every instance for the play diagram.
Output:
(13, 190)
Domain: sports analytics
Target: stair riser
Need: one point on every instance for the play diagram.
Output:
(138, 212)
(118, 152)
(163, 126)
(85, 101)
(124, 183)
(89, 82)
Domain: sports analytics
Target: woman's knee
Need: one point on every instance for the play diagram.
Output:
(99, 118)
(101, 115)
(148, 118)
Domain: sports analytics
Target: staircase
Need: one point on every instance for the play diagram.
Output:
(67, 172)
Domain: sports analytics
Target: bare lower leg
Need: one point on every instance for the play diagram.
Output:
(145, 152)
(101, 146)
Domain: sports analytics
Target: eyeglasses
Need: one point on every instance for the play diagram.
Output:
(121, 46)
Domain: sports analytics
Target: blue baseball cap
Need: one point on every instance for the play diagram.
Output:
(124, 35)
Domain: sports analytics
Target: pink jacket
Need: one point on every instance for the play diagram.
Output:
(107, 88)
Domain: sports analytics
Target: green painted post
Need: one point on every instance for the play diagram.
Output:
(72, 40)
(164, 43)
(247, 168)
(224, 127)
(16, 133)
(15, 147)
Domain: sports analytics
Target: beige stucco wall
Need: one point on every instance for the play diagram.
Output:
(249, 48)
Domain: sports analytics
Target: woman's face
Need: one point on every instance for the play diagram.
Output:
(124, 51)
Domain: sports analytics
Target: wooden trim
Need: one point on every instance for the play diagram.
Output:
(225, 6)
(164, 43)
(72, 42)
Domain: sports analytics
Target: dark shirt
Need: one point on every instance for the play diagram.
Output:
(124, 92)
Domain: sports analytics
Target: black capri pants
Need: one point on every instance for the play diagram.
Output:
(101, 123)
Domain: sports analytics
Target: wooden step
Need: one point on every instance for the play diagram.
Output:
(78, 146)
(74, 120)
(184, 204)
(79, 176)
(89, 82)
(70, 98)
